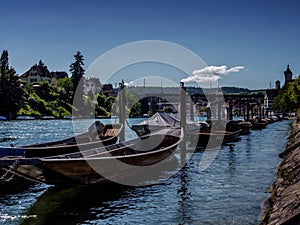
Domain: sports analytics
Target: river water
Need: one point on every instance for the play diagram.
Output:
(230, 191)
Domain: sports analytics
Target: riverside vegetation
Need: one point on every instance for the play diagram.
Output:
(41, 98)
(20, 98)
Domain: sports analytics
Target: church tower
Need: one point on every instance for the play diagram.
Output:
(277, 84)
(288, 75)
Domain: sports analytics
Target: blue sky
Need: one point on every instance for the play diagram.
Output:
(262, 36)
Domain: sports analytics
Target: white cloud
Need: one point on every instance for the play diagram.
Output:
(128, 84)
(202, 78)
(211, 73)
(235, 69)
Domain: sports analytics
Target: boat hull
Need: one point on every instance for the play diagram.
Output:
(78, 143)
(216, 138)
(106, 164)
(258, 125)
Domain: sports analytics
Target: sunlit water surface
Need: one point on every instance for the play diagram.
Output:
(229, 191)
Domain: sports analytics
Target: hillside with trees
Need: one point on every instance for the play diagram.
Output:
(41, 98)
(289, 98)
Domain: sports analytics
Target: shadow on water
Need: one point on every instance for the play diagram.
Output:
(86, 203)
(13, 185)
(72, 205)
(231, 159)
(6, 139)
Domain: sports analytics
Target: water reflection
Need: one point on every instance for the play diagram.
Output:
(184, 196)
(231, 159)
(228, 191)
(73, 205)
(13, 186)
(6, 139)
(81, 204)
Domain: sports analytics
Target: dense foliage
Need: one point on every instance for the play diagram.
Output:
(76, 68)
(235, 90)
(133, 107)
(42, 99)
(289, 98)
(10, 91)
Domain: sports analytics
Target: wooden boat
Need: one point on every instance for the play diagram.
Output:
(3, 118)
(162, 120)
(216, 138)
(98, 135)
(245, 126)
(258, 124)
(235, 125)
(25, 118)
(82, 167)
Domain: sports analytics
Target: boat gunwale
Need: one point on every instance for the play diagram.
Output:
(215, 133)
(140, 153)
(69, 145)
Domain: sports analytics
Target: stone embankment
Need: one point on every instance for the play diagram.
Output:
(283, 205)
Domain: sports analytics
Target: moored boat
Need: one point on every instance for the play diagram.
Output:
(235, 125)
(258, 124)
(98, 135)
(25, 118)
(162, 120)
(216, 138)
(48, 118)
(99, 165)
(3, 118)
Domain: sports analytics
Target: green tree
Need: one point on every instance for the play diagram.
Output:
(44, 91)
(45, 99)
(10, 90)
(133, 108)
(293, 90)
(65, 87)
(108, 104)
(289, 99)
(283, 103)
(103, 105)
(4, 66)
(76, 68)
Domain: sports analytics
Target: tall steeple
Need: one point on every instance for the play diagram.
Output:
(277, 84)
(288, 75)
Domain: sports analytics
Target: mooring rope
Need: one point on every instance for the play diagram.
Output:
(14, 166)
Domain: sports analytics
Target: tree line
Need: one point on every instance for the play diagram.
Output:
(289, 98)
(65, 98)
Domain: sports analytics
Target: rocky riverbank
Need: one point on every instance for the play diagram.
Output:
(283, 205)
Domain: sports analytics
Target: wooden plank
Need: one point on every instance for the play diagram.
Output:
(110, 151)
(4, 162)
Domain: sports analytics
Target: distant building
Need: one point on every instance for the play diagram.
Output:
(108, 90)
(92, 85)
(277, 85)
(36, 73)
(57, 75)
(269, 97)
(288, 75)
(273, 93)
(39, 73)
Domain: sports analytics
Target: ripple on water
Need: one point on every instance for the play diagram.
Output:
(229, 191)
